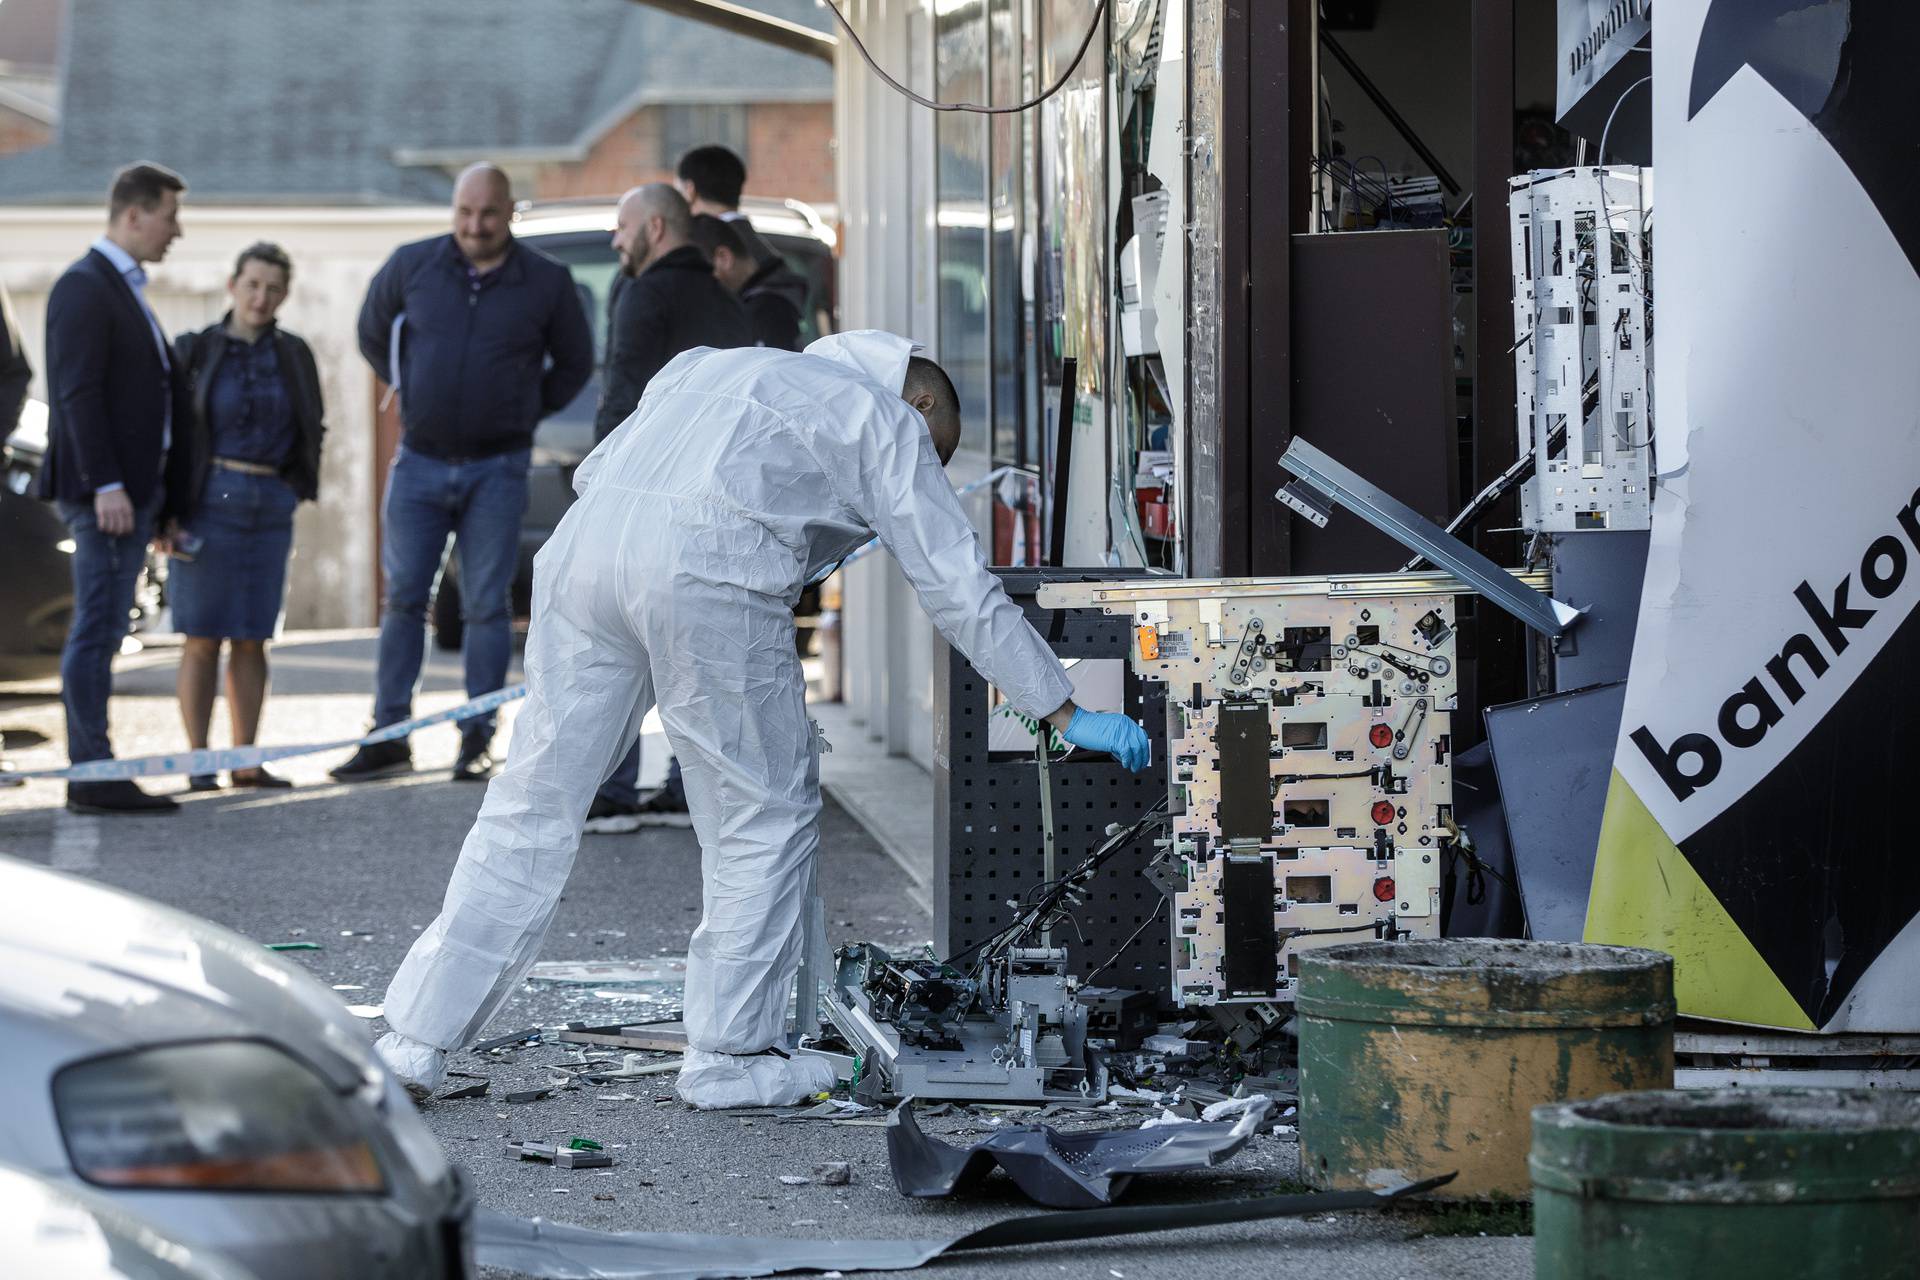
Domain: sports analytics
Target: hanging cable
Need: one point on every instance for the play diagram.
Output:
(1600, 159)
(933, 104)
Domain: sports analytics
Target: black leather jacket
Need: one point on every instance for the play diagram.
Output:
(198, 355)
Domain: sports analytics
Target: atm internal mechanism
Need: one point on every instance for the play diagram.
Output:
(1310, 778)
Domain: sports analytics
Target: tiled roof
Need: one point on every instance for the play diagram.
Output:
(313, 99)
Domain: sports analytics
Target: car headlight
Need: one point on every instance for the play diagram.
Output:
(219, 1115)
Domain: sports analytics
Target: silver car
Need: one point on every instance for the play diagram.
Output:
(205, 1085)
(57, 1229)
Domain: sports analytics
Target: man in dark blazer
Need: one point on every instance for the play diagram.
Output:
(115, 403)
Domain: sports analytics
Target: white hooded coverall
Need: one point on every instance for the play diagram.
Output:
(741, 476)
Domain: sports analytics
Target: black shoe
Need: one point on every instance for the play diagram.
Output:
(116, 796)
(666, 802)
(260, 777)
(611, 817)
(475, 763)
(203, 782)
(664, 808)
(375, 760)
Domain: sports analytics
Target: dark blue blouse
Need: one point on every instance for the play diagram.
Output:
(248, 408)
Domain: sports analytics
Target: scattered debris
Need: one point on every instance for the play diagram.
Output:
(530, 1036)
(355, 933)
(365, 1010)
(795, 1180)
(554, 1250)
(567, 1157)
(466, 1091)
(1082, 1170)
(1177, 1046)
(531, 1150)
(669, 1035)
(529, 1095)
(666, 971)
(348, 986)
(603, 1195)
(1120, 1015)
(632, 1067)
(582, 1159)
(833, 1173)
(293, 946)
(831, 1109)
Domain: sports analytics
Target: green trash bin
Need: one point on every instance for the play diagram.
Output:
(1749, 1184)
(1427, 1057)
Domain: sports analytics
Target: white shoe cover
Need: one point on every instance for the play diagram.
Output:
(714, 1081)
(421, 1067)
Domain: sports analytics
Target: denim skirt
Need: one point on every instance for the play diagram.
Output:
(235, 584)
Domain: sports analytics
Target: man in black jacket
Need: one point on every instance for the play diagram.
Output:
(481, 337)
(116, 402)
(712, 178)
(771, 294)
(666, 302)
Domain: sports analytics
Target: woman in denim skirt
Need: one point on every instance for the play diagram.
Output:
(255, 439)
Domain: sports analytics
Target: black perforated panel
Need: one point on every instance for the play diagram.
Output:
(990, 846)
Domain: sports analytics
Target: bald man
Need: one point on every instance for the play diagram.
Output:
(665, 301)
(482, 337)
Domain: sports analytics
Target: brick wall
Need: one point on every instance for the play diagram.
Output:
(21, 133)
(789, 153)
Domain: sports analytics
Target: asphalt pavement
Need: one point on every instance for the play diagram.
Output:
(360, 870)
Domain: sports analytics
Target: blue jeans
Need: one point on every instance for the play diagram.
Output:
(480, 504)
(106, 569)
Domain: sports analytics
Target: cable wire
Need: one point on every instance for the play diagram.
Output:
(1601, 157)
(934, 104)
(1131, 939)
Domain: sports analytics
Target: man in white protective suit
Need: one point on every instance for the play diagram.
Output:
(741, 476)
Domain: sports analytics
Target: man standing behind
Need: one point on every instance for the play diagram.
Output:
(712, 178)
(665, 302)
(770, 294)
(491, 338)
(110, 468)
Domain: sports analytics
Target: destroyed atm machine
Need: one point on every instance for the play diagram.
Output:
(1309, 802)
(1310, 743)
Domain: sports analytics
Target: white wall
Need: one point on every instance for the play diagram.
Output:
(886, 176)
(331, 582)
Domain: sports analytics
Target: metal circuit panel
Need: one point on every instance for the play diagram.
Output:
(1309, 726)
(1580, 348)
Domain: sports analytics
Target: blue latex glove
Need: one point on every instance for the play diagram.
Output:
(1111, 732)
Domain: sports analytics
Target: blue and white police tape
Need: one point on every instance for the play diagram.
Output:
(229, 758)
(213, 761)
